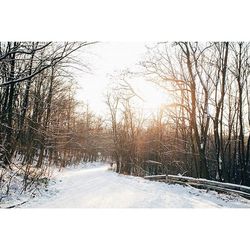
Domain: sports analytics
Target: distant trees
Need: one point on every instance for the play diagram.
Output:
(125, 130)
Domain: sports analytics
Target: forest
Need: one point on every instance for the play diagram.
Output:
(204, 132)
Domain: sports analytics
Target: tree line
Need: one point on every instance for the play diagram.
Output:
(41, 123)
(204, 131)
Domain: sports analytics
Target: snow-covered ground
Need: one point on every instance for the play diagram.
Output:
(94, 186)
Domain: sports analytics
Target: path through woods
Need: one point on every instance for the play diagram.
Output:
(94, 186)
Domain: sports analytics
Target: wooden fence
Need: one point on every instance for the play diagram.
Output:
(241, 190)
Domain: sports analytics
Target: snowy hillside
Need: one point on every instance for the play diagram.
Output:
(94, 186)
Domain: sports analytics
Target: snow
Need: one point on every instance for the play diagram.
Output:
(214, 182)
(92, 185)
(12, 190)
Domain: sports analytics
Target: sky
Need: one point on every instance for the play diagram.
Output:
(110, 58)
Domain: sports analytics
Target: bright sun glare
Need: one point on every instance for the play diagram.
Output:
(110, 58)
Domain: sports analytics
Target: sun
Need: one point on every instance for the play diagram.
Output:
(152, 97)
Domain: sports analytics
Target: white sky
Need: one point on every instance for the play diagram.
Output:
(109, 58)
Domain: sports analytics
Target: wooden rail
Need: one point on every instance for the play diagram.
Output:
(241, 190)
(155, 177)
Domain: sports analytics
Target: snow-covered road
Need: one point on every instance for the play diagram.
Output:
(95, 186)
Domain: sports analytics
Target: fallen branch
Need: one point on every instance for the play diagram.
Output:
(16, 205)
